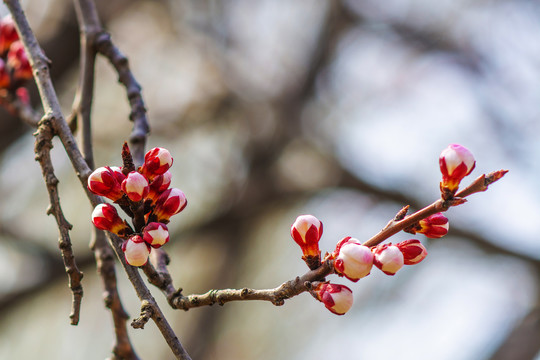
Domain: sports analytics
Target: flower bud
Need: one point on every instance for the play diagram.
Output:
(156, 162)
(352, 259)
(169, 203)
(135, 186)
(306, 231)
(105, 217)
(156, 234)
(388, 258)
(456, 162)
(434, 226)
(337, 298)
(136, 251)
(159, 185)
(18, 62)
(8, 34)
(413, 251)
(104, 181)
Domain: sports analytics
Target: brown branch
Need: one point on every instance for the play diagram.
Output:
(43, 146)
(158, 275)
(148, 301)
(395, 226)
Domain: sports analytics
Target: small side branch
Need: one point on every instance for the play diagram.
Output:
(43, 147)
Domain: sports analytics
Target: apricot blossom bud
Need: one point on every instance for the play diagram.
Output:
(337, 298)
(169, 203)
(136, 251)
(352, 259)
(18, 62)
(8, 34)
(434, 226)
(105, 217)
(135, 186)
(156, 234)
(456, 162)
(104, 181)
(388, 258)
(306, 231)
(413, 251)
(159, 184)
(156, 162)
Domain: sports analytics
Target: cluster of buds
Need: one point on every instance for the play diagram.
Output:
(15, 68)
(144, 195)
(353, 260)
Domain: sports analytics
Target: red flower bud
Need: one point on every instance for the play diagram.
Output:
(306, 231)
(456, 162)
(135, 186)
(156, 234)
(156, 162)
(105, 217)
(337, 298)
(352, 259)
(136, 251)
(434, 226)
(169, 203)
(8, 34)
(388, 258)
(18, 62)
(159, 185)
(413, 251)
(104, 181)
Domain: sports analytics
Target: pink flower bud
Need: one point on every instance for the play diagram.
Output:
(388, 258)
(104, 181)
(156, 162)
(352, 259)
(159, 185)
(105, 217)
(456, 162)
(156, 234)
(169, 203)
(135, 186)
(337, 298)
(434, 226)
(413, 251)
(136, 251)
(8, 34)
(306, 231)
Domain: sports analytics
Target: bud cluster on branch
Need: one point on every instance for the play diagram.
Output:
(354, 260)
(144, 195)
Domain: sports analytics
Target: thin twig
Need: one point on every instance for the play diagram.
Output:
(159, 276)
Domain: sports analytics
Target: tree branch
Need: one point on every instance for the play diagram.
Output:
(43, 146)
(58, 126)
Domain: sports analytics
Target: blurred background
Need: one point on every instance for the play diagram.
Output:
(272, 109)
